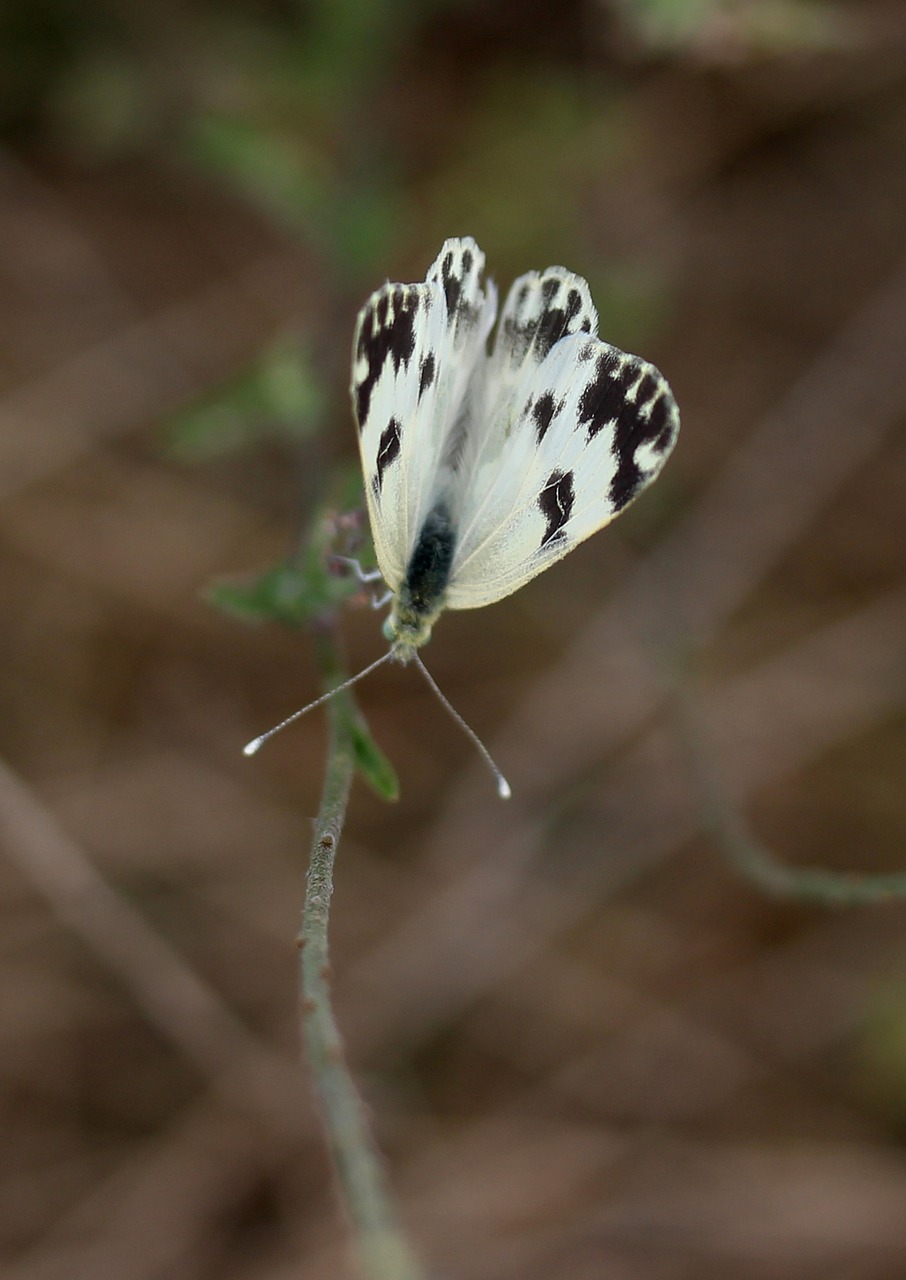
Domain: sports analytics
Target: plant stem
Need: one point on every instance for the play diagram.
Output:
(383, 1251)
(749, 856)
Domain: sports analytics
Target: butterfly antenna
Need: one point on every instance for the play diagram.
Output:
(251, 747)
(503, 787)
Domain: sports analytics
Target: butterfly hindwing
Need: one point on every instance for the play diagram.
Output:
(414, 354)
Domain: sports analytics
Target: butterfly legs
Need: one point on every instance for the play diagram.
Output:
(367, 577)
(362, 575)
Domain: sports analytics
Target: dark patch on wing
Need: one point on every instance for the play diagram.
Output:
(426, 374)
(388, 449)
(429, 566)
(646, 390)
(555, 322)
(543, 412)
(648, 421)
(661, 424)
(452, 286)
(556, 504)
(384, 336)
(637, 425)
(458, 278)
(539, 333)
(626, 482)
(603, 401)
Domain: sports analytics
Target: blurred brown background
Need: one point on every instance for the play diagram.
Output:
(590, 1047)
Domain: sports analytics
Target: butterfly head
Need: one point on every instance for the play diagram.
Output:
(408, 627)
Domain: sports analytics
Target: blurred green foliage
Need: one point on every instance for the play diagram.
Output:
(730, 31)
(520, 175)
(317, 113)
(312, 585)
(281, 396)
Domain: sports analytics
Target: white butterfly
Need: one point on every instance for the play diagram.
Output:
(484, 467)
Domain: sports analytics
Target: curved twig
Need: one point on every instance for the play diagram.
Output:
(747, 854)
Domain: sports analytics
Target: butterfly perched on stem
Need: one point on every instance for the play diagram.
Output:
(482, 467)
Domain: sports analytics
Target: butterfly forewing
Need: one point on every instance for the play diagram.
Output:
(414, 356)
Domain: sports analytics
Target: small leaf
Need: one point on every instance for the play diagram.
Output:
(370, 760)
(284, 594)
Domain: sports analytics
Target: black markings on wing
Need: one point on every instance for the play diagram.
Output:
(458, 272)
(388, 451)
(558, 315)
(630, 400)
(626, 482)
(556, 504)
(451, 275)
(662, 422)
(386, 332)
(604, 399)
(542, 309)
(543, 411)
(452, 282)
(427, 371)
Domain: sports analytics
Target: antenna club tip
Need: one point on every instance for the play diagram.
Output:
(251, 748)
(503, 789)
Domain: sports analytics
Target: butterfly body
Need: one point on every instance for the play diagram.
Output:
(482, 467)
(422, 595)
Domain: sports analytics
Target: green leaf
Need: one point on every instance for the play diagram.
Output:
(286, 593)
(370, 760)
(282, 594)
(297, 592)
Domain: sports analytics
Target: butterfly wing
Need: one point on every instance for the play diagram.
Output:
(570, 431)
(414, 355)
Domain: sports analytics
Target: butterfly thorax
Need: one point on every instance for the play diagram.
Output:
(421, 596)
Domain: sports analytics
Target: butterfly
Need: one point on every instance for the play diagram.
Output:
(483, 467)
